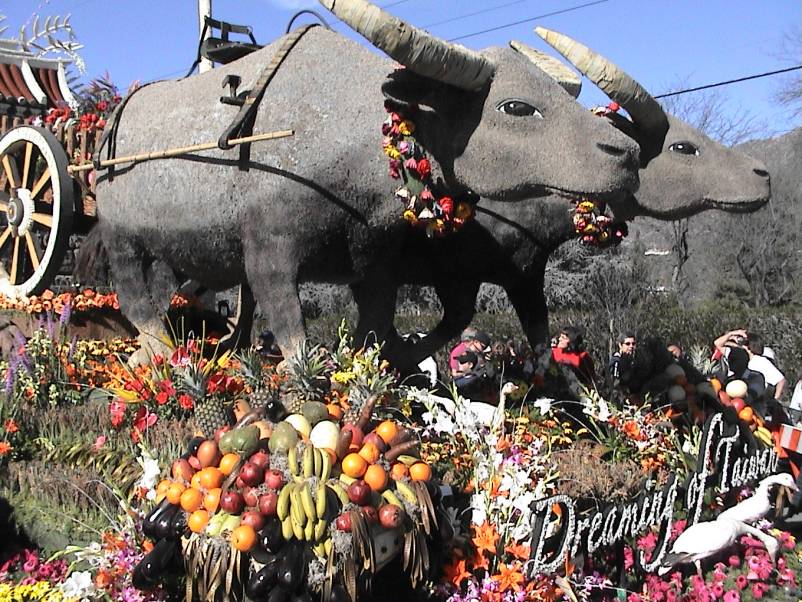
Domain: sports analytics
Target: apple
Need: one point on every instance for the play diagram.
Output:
(738, 404)
(359, 493)
(249, 495)
(356, 434)
(376, 440)
(343, 522)
(391, 516)
(240, 484)
(371, 514)
(251, 474)
(182, 470)
(220, 432)
(261, 459)
(268, 503)
(274, 479)
(232, 502)
(194, 463)
(254, 519)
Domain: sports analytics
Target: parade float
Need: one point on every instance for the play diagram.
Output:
(205, 474)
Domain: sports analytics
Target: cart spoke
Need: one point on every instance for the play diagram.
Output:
(4, 199)
(32, 251)
(4, 236)
(41, 182)
(26, 165)
(14, 261)
(10, 172)
(43, 218)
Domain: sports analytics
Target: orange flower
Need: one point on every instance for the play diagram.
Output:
(520, 551)
(4, 448)
(103, 579)
(10, 426)
(508, 577)
(486, 537)
(456, 572)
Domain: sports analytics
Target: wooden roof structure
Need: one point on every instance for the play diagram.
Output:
(31, 85)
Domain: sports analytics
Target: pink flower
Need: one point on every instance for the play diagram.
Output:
(732, 596)
(411, 164)
(717, 590)
(117, 410)
(629, 558)
(741, 582)
(99, 442)
(403, 147)
(757, 591)
(734, 560)
(180, 357)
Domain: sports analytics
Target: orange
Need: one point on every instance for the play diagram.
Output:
(747, 414)
(191, 499)
(335, 411)
(174, 493)
(227, 463)
(212, 499)
(197, 521)
(163, 486)
(399, 471)
(211, 477)
(195, 480)
(388, 431)
(420, 471)
(716, 383)
(370, 452)
(376, 478)
(354, 465)
(243, 538)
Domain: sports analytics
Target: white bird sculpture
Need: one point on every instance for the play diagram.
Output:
(485, 413)
(758, 505)
(702, 540)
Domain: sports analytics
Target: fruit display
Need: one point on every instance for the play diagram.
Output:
(314, 509)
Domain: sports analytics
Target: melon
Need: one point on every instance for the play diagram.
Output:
(736, 388)
(325, 434)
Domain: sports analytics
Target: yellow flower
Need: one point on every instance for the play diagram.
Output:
(392, 152)
(410, 216)
(406, 127)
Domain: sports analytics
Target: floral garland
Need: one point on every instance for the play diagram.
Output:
(438, 215)
(594, 228)
(87, 300)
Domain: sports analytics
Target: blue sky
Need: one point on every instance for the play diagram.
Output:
(662, 43)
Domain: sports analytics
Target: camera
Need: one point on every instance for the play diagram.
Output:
(740, 340)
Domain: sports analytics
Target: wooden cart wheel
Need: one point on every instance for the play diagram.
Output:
(36, 206)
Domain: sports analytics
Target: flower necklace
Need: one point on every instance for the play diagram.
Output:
(594, 228)
(438, 215)
(590, 223)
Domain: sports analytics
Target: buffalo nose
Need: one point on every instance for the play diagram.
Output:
(761, 172)
(615, 151)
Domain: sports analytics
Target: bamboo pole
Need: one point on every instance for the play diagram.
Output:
(182, 150)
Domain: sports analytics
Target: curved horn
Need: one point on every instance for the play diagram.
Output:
(645, 111)
(414, 48)
(555, 68)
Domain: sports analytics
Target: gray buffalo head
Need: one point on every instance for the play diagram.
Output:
(690, 172)
(495, 124)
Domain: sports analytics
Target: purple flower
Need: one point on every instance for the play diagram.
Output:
(66, 312)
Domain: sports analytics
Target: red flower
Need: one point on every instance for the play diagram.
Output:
(162, 398)
(447, 205)
(424, 168)
(233, 385)
(167, 387)
(185, 401)
(216, 383)
(180, 357)
(143, 421)
(10, 426)
(117, 411)
(4, 448)
(102, 105)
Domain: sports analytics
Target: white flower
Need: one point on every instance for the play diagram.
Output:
(543, 405)
(78, 585)
(478, 509)
(150, 471)
(604, 411)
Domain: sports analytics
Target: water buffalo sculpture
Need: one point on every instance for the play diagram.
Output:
(509, 244)
(319, 206)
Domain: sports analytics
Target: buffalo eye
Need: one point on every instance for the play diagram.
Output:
(684, 148)
(518, 108)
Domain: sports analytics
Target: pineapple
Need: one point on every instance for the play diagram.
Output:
(372, 380)
(252, 365)
(306, 379)
(210, 414)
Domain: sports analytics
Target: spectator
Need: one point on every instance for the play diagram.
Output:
(763, 365)
(621, 365)
(570, 351)
(675, 349)
(267, 347)
(473, 340)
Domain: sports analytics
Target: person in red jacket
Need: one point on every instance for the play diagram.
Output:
(570, 351)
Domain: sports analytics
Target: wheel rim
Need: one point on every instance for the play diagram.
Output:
(36, 206)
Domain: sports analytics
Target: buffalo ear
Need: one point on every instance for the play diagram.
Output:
(407, 91)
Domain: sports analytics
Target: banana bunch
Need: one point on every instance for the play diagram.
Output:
(312, 463)
(763, 435)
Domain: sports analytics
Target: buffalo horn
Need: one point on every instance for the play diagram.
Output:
(555, 68)
(414, 48)
(645, 111)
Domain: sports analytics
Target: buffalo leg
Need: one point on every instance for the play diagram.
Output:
(128, 267)
(529, 302)
(273, 279)
(459, 306)
(375, 297)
